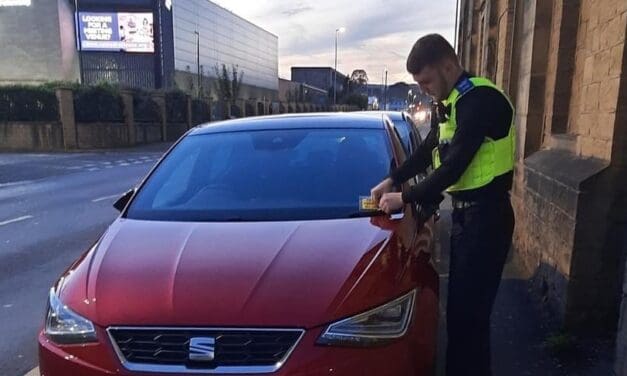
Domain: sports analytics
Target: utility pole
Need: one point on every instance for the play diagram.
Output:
(386, 90)
(338, 30)
(198, 60)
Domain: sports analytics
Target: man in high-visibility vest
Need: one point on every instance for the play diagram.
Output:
(472, 154)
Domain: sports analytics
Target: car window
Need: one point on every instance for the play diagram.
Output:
(404, 131)
(415, 138)
(265, 175)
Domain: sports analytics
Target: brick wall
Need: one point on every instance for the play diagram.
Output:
(563, 64)
(600, 44)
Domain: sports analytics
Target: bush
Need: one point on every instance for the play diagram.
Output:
(53, 85)
(28, 103)
(358, 100)
(102, 103)
(200, 112)
(145, 109)
(176, 106)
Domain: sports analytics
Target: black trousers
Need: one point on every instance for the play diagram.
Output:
(481, 236)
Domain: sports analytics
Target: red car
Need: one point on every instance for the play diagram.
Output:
(247, 250)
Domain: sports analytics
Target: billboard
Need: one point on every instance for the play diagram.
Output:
(15, 3)
(129, 32)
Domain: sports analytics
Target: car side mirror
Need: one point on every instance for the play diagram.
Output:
(121, 203)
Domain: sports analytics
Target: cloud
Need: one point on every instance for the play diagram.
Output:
(379, 33)
(297, 10)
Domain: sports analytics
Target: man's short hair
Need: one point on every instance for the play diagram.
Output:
(429, 50)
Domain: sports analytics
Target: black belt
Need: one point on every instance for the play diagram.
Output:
(458, 204)
(465, 204)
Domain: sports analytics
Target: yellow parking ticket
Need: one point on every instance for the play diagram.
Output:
(366, 203)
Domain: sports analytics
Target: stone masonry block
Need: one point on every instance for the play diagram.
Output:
(580, 37)
(563, 197)
(584, 10)
(594, 13)
(608, 10)
(595, 148)
(614, 33)
(590, 98)
(602, 64)
(587, 36)
(589, 71)
(587, 122)
(597, 36)
(608, 92)
(605, 127)
(616, 60)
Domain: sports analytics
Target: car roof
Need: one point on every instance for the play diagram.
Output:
(393, 115)
(293, 121)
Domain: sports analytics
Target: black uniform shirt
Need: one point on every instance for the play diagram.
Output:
(482, 112)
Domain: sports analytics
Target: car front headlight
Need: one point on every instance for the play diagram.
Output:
(374, 327)
(65, 326)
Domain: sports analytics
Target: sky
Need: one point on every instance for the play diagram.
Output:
(379, 33)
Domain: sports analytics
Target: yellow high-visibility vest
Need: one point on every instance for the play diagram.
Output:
(494, 157)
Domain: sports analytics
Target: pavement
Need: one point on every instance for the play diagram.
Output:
(526, 340)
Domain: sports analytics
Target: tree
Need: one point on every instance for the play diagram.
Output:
(358, 81)
(359, 77)
(227, 84)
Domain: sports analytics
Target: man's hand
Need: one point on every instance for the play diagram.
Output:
(381, 189)
(391, 202)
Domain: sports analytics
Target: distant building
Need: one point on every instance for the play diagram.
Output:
(398, 95)
(137, 43)
(320, 77)
(290, 91)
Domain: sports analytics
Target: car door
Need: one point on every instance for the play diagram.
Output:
(422, 231)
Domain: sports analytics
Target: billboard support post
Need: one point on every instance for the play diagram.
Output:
(78, 39)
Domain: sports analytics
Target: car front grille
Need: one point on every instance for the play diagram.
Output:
(235, 350)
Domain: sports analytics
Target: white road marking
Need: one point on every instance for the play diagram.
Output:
(14, 183)
(7, 306)
(93, 169)
(33, 372)
(23, 218)
(124, 164)
(106, 198)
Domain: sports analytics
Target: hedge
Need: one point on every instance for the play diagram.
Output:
(201, 112)
(28, 103)
(145, 109)
(95, 104)
(176, 106)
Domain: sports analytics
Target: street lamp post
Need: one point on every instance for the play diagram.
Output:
(386, 89)
(198, 61)
(337, 31)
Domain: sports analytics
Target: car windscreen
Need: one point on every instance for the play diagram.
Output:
(265, 175)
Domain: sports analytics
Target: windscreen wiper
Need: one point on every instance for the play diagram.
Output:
(369, 213)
